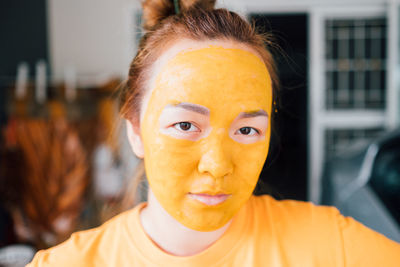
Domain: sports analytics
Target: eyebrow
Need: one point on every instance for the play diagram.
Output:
(252, 114)
(192, 107)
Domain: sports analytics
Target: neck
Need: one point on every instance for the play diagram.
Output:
(170, 235)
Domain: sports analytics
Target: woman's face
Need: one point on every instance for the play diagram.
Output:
(205, 128)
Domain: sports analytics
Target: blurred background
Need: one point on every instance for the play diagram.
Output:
(64, 155)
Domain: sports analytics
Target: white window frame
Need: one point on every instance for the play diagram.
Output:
(320, 118)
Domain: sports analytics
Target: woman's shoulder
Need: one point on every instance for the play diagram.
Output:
(294, 220)
(325, 231)
(84, 247)
(290, 209)
(303, 217)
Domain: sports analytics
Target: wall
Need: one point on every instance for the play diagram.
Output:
(92, 36)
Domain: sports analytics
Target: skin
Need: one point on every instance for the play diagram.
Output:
(204, 134)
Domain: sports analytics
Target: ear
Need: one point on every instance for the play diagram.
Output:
(133, 132)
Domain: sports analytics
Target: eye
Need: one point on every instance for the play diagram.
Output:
(247, 131)
(185, 127)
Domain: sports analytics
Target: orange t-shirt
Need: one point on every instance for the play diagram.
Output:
(265, 232)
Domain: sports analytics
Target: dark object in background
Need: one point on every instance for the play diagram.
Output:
(365, 184)
(7, 234)
(24, 37)
(285, 172)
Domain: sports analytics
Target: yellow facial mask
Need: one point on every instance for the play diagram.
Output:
(202, 152)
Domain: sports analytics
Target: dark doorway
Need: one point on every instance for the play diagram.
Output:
(285, 172)
(23, 33)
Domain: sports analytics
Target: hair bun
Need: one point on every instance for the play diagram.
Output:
(203, 4)
(154, 11)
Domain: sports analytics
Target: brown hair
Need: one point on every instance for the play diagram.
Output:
(198, 21)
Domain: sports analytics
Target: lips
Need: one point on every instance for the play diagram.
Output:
(209, 199)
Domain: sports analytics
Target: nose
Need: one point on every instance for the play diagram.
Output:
(217, 159)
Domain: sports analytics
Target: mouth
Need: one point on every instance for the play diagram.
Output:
(209, 199)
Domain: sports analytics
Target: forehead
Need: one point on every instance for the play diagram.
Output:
(210, 74)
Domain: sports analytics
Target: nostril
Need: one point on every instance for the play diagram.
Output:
(216, 165)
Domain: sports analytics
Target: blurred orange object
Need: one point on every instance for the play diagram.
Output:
(54, 169)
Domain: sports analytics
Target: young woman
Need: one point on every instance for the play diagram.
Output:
(198, 105)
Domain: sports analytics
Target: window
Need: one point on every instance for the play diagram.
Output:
(355, 63)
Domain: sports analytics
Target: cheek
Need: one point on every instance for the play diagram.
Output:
(249, 161)
(168, 163)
